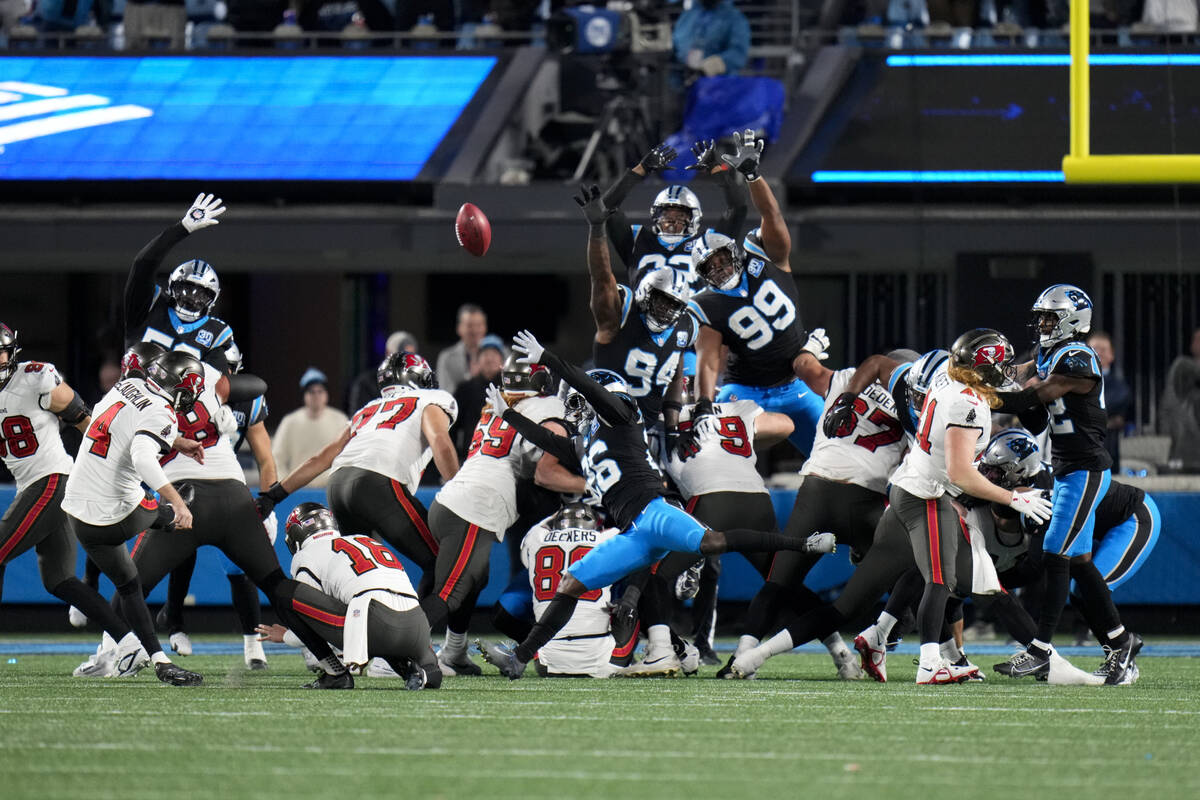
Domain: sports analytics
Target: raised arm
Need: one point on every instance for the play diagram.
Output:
(260, 446)
(777, 241)
(708, 362)
(617, 224)
(734, 189)
(551, 472)
(605, 296)
(610, 408)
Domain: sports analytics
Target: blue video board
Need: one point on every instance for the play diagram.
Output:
(230, 118)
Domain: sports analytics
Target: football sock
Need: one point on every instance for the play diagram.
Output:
(745, 643)
(251, 644)
(949, 650)
(660, 642)
(744, 540)
(1118, 636)
(1039, 647)
(332, 665)
(244, 595)
(1014, 618)
(454, 646)
(1058, 584)
(905, 594)
(930, 653)
(133, 608)
(1096, 604)
(159, 657)
(931, 614)
(763, 610)
(816, 624)
(557, 614)
(779, 644)
(177, 589)
(885, 623)
(75, 592)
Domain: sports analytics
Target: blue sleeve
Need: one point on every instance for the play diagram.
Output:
(737, 48)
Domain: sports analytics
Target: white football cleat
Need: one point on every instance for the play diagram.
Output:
(690, 661)
(99, 664)
(130, 659)
(77, 618)
(311, 661)
(1064, 673)
(746, 666)
(871, 645)
(181, 644)
(667, 666)
(378, 668)
(845, 661)
(940, 673)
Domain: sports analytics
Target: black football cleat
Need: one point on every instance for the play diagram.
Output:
(1025, 663)
(176, 675)
(708, 656)
(1120, 658)
(502, 658)
(726, 671)
(342, 680)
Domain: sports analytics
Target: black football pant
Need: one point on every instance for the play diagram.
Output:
(461, 570)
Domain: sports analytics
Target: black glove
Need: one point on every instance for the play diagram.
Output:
(658, 158)
(746, 155)
(839, 420)
(592, 205)
(266, 501)
(687, 444)
(706, 155)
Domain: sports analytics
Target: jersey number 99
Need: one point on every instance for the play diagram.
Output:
(770, 311)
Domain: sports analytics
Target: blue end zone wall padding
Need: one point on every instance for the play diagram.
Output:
(1170, 576)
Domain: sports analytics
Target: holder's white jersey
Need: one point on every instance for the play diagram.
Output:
(867, 450)
(726, 462)
(346, 566)
(386, 434)
(584, 644)
(29, 440)
(104, 487)
(948, 404)
(220, 461)
(484, 492)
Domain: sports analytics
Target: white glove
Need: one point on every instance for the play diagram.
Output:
(225, 421)
(1031, 504)
(272, 526)
(694, 59)
(817, 344)
(529, 347)
(203, 213)
(496, 400)
(713, 65)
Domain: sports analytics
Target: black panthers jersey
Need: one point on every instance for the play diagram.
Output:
(206, 338)
(1078, 422)
(1118, 505)
(618, 469)
(649, 251)
(247, 413)
(760, 322)
(646, 360)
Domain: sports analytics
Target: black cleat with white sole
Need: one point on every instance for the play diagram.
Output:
(175, 675)
(342, 680)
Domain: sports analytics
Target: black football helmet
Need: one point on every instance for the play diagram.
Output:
(987, 353)
(576, 516)
(307, 519)
(519, 380)
(405, 369)
(178, 377)
(8, 344)
(138, 357)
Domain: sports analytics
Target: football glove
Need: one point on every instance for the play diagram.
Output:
(706, 155)
(746, 154)
(1031, 503)
(266, 501)
(592, 204)
(529, 348)
(496, 400)
(704, 419)
(840, 414)
(658, 158)
(687, 444)
(225, 421)
(817, 344)
(203, 213)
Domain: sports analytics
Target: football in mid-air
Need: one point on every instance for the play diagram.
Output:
(473, 230)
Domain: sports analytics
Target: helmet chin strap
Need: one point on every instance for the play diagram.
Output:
(187, 315)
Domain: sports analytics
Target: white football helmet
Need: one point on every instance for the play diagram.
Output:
(1011, 458)
(662, 295)
(920, 377)
(676, 197)
(194, 289)
(723, 277)
(1060, 313)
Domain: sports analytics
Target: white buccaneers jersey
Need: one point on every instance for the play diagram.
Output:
(386, 434)
(484, 492)
(29, 439)
(346, 566)
(948, 404)
(584, 644)
(104, 487)
(864, 451)
(220, 461)
(726, 462)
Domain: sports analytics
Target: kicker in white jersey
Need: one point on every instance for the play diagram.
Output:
(29, 440)
(484, 492)
(386, 434)
(867, 450)
(726, 461)
(199, 424)
(948, 404)
(104, 487)
(344, 567)
(584, 644)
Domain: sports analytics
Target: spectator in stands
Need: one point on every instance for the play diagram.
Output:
(957, 13)
(11, 12)
(712, 38)
(147, 23)
(255, 16)
(1118, 398)
(461, 361)
(1180, 406)
(306, 430)
(1171, 15)
(365, 387)
(470, 393)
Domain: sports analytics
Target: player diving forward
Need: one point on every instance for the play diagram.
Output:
(620, 472)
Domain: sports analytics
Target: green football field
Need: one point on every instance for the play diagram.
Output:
(795, 732)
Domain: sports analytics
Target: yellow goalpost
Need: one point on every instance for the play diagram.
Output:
(1079, 165)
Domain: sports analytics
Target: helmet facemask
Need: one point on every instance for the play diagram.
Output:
(722, 268)
(578, 411)
(9, 348)
(673, 223)
(192, 301)
(661, 310)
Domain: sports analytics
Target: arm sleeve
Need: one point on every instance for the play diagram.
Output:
(621, 236)
(139, 286)
(144, 452)
(614, 196)
(558, 446)
(735, 192)
(609, 407)
(1018, 402)
(292, 640)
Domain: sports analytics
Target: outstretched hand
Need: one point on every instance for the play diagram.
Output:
(203, 213)
(706, 155)
(495, 399)
(591, 203)
(746, 155)
(658, 158)
(529, 347)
